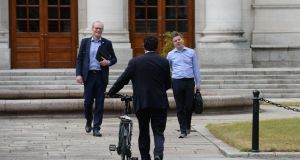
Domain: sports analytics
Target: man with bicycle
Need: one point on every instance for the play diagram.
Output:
(150, 76)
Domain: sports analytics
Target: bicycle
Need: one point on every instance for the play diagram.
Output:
(125, 131)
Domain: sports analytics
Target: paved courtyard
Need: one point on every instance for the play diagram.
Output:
(57, 137)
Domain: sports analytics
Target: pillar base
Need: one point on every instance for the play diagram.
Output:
(5, 62)
(224, 55)
(222, 36)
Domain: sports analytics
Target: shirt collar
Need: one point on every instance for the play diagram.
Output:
(176, 50)
(93, 40)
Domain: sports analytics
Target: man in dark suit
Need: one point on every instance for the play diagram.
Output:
(150, 76)
(93, 74)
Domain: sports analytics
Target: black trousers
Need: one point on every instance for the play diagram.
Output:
(158, 120)
(94, 90)
(183, 90)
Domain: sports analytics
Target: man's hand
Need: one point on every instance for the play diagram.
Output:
(198, 88)
(79, 79)
(107, 95)
(104, 62)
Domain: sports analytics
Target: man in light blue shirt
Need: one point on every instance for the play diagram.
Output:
(185, 78)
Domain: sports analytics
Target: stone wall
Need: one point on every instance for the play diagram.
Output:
(276, 34)
(5, 62)
(231, 33)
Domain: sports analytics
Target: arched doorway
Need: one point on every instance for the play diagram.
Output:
(155, 17)
(43, 33)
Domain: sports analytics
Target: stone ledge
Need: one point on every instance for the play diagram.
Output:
(275, 46)
(235, 102)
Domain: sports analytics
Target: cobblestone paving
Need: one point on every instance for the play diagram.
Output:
(61, 137)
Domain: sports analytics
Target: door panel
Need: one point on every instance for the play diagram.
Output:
(43, 33)
(152, 17)
(58, 52)
(27, 52)
(144, 21)
(25, 30)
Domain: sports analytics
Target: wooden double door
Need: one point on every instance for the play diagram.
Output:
(43, 33)
(155, 17)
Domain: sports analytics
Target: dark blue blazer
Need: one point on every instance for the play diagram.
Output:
(150, 76)
(83, 59)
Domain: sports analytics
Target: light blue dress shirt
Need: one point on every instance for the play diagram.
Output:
(184, 64)
(95, 44)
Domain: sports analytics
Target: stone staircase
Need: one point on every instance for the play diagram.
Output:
(55, 89)
(271, 82)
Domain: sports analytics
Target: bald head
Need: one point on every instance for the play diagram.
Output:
(97, 29)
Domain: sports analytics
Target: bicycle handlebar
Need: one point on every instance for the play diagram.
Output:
(125, 98)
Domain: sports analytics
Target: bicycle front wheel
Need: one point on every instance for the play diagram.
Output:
(124, 148)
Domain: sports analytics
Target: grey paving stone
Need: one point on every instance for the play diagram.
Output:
(55, 137)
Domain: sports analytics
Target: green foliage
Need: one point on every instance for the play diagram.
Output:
(167, 45)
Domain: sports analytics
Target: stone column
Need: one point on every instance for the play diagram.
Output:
(5, 62)
(221, 42)
(223, 21)
(114, 15)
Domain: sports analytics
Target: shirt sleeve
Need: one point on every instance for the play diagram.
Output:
(196, 70)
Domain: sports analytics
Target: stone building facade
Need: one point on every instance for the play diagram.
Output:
(227, 33)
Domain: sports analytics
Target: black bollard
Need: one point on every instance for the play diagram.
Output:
(255, 122)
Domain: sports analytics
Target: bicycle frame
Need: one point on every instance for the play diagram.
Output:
(125, 132)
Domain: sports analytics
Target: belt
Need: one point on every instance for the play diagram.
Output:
(95, 71)
(185, 79)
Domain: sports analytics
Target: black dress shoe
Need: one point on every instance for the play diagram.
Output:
(188, 131)
(157, 158)
(182, 135)
(97, 134)
(88, 127)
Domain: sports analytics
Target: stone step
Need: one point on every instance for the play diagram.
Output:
(113, 104)
(205, 78)
(205, 87)
(47, 72)
(47, 90)
(114, 77)
(60, 83)
(249, 81)
(203, 83)
(251, 71)
(53, 94)
(252, 86)
(226, 71)
(265, 93)
(249, 77)
(78, 93)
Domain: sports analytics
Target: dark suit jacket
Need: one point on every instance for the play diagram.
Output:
(83, 59)
(150, 76)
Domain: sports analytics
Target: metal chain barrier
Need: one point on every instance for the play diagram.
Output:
(279, 105)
